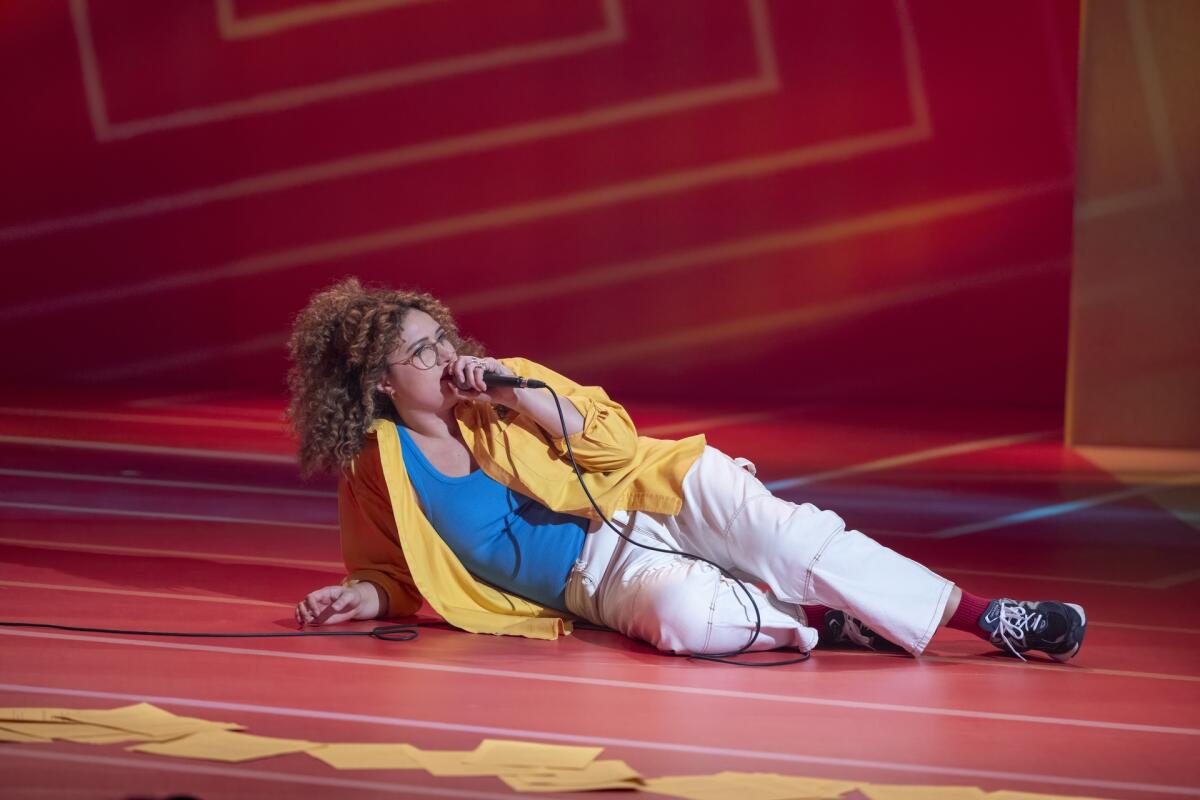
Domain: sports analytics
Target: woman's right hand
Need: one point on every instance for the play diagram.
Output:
(344, 599)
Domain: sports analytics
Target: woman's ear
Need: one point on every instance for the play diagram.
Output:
(385, 386)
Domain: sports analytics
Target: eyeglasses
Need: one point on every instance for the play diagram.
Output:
(426, 356)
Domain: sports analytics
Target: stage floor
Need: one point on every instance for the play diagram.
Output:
(187, 513)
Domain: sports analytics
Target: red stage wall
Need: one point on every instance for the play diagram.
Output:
(860, 201)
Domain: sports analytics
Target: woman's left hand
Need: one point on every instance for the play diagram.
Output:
(466, 376)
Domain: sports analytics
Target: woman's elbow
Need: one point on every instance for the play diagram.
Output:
(612, 455)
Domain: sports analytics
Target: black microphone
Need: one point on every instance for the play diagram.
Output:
(495, 379)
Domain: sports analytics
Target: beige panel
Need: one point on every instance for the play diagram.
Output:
(1134, 374)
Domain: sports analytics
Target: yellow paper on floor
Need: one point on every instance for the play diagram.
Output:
(220, 745)
(56, 730)
(717, 787)
(453, 763)
(32, 714)
(109, 737)
(889, 792)
(1006, 795)
(148, 720)
(807, 788)
(607, 774)
(31, 731)
(366, 756)
(13, 736)
(45, 724)
(506, 752)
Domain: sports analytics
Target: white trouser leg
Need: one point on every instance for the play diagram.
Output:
(804, 554)
(676, 604)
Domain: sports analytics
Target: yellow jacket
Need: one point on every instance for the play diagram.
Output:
(387, 540)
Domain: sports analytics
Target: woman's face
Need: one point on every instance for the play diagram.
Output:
(412, 384)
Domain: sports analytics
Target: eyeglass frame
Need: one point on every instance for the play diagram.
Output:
(443, 337)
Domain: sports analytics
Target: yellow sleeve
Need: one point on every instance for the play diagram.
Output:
(370, 545)
(608, 440)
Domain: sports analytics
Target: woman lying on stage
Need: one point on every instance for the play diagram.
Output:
(464, 496)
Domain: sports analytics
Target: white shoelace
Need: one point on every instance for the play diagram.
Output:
(1015, 621)
(854, 633)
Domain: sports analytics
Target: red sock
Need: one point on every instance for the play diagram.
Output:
(966, 617)
(815, 615)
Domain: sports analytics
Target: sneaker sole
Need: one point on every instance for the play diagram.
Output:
(1082, 631)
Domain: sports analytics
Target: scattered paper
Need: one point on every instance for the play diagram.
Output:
(56, 730)
(32, 714)
(716, 787)
(147, 720)
(221, 745)
(524, 766)
(803, 787)
(1006, 795)
(110, 737)
(366, 756)
(451, 763)
(608, 774)
(889, 792)
(800, 787)
(26, 732)
(505, 752)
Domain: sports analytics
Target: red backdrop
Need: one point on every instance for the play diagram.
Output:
(857, 200)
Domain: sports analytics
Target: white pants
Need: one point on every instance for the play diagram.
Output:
(802, 554)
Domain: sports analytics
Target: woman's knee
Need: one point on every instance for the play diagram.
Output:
(791, 537)
(676, 614)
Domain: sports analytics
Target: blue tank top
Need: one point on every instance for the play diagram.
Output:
(503, 537)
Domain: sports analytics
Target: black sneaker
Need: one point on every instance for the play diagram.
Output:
(840, 629)
(1054, 628)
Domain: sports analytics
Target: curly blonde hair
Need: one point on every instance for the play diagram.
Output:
(338, 350)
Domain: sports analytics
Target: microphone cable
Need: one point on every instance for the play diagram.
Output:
(405, 632)
(722, 658)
